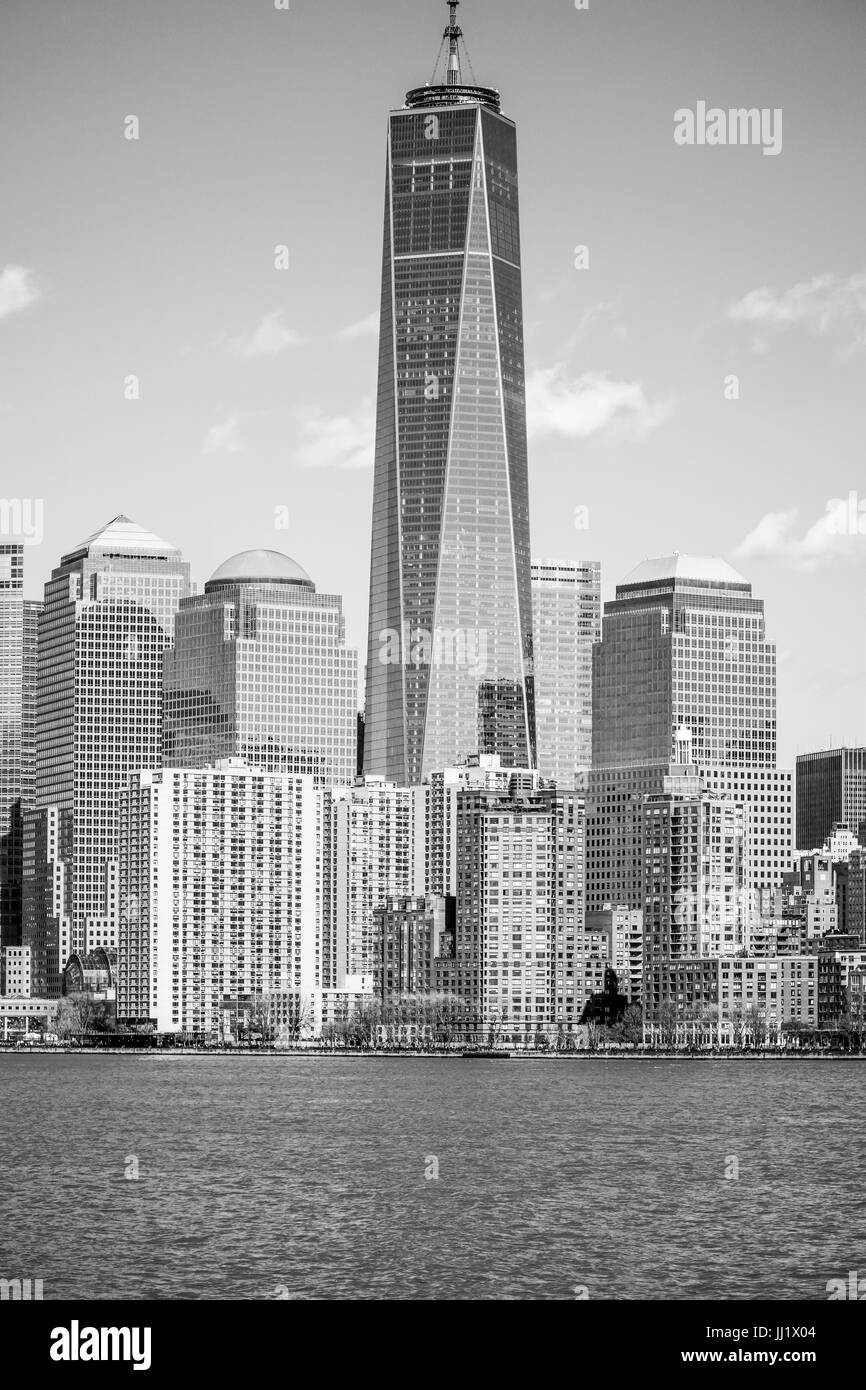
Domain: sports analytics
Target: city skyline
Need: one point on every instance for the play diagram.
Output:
(785, 319)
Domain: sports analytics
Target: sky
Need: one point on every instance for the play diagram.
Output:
(696, 375)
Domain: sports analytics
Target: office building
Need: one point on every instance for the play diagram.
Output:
(566, 608)
(18, 629)
(106, 623)
(684, 645)
(450, 654)
(831, 790)
(260, 671)
(16, 973)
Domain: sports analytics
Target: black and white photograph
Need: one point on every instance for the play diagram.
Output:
(432, 674)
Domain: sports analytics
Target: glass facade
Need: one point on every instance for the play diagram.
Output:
(18, 626)
(260, 671)
(107, 621)
(684, 644)
(831, 790)
(450, 600)
(566, 605)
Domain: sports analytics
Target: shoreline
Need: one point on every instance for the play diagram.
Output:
(444, 1055)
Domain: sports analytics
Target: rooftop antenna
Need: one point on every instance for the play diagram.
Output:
(453, 33)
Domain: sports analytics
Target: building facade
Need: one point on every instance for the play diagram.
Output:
(221, 894)
(377, 836)
(695, 899)
(450, 647)
(831, 790)
(106, 624)
(520, 909)
(19, 619)
(260, 671)
(566, 609)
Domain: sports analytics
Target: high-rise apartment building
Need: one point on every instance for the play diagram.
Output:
(482, 772)
(520, 908)
(615, 827)
(18, 630)
(695, 876)
(221, 894)
(411, 933)
(106, 623)
(450, 647)
(260, 671)
(623, 928)
(566, 608)
(377, 842)
(831, 790)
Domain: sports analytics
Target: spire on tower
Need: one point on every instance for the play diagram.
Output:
(453, 34)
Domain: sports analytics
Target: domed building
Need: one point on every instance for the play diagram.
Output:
(260, 671)
(93, 973)
(265, 567)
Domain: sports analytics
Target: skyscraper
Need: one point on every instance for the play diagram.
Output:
(450, 653)
(260, 670)
(684, 644)
(831, 790)
(107, 621)
(566, 607)
(18, 626)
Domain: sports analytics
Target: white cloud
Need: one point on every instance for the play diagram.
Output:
(364, 328)
(271, 336)
(834, 535)
(607, 312)
(824, 303)
(224, 438)
(338, 441)
(18, 289)
(591, 404)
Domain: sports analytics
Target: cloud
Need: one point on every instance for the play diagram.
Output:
(590, 404)
(822, 304)
(270, 337)
(833, 536)
(338, 441)
(364, 328)
(223, 439)
(606, 312)
(18, 289)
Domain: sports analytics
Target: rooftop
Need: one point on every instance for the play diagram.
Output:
(706, 569)
(259, 567)
(122, 536)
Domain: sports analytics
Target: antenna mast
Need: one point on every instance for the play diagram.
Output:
(453, 33)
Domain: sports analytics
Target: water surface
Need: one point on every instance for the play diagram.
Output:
(262, 1177)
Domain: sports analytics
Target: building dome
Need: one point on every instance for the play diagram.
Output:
(258, 567)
